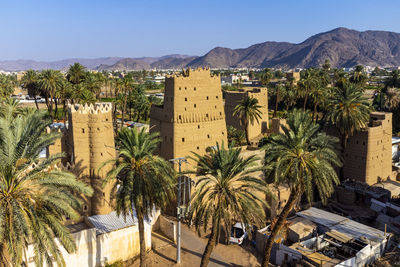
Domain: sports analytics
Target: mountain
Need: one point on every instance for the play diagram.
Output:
(343, 47)
(174, 61)
(17, 65)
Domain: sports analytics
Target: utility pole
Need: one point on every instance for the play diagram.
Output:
(179, 208)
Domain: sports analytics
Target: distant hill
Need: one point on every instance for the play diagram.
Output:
(166, 62)
(17, 65)
(343, 47)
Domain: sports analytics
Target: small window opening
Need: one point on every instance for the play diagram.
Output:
(183, 139)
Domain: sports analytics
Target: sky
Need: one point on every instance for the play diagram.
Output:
(58, 29)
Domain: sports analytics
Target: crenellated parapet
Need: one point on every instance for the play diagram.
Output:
(96, 108)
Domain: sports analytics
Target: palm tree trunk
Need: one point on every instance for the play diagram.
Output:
(294, 195)
(314, 111)
(123, 113)
(246, 130)
(276, 103)
(212, 240)
(142, 241)
(36, 103)
(56, 108)
(344, 139)
(305, 101)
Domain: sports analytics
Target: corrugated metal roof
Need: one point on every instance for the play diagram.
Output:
(342, 224)
(111, 222)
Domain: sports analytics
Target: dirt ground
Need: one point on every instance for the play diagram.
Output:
(164, 252)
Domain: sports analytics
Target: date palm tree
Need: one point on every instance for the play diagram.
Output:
(76, 73)
(7, 85)
(248, 110)
(306, 85)
(143, 181)
(226, 190)
(30, 83)
(303, 158)
(348, 110)
(50, 81)
(35, 197)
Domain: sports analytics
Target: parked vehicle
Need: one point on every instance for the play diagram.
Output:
(238, 233)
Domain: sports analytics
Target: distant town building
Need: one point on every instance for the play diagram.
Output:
(234, 79)
(192, 117)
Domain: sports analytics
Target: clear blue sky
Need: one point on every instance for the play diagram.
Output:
(57, 29)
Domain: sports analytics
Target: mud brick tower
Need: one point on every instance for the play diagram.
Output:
(91, 135)
(192, 117)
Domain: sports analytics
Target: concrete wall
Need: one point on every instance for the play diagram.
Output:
(167, 227)
(192, 117)
(98, 250)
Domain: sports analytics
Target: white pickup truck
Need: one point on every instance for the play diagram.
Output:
(238, 233)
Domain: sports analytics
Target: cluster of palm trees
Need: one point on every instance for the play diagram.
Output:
(84, 87)
(35, 196)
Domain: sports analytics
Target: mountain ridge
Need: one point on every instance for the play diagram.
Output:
(343, 47)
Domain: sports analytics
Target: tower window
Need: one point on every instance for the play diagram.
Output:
(183, 139)
(216, 97)
(180, 88)
(207, 98)
(215, 106)
(185, 98)
(180, 117)
(85, 207)
(194, 105)
(207, 115)
(198, 148)
(208, 136)
(194, 88)
(222, 133)
(83, 130)
(198, 126)
(185, 88)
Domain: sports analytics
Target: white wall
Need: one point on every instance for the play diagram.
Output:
(92, 250)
